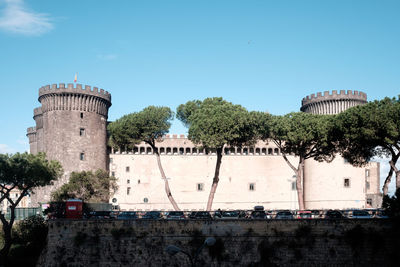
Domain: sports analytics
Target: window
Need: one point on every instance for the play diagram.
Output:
(127, 169)
(82, 131)
(128, 190)
(200, 187)
(81, 115)
(346, 182)
(128, 181)
(367, 173)
(82, 156)
(294, 186)
(369, 201)
(145, 200)
(113, 174)
(252, 186)
(138, 181)
(367, 185)
(111, 160)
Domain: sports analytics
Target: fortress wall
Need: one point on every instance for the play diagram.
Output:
(270, 174)
(364, 242)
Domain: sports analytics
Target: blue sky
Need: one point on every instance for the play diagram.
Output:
(264, 55)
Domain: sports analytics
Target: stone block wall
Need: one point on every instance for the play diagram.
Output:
(239, 243)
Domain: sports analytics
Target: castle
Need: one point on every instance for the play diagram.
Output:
(71, 128)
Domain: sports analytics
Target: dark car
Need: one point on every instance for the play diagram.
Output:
(100, 214)
(152, 215)
(333, 214)
(204, 215)
(258, 214)
(176, 215)
(127, 215)
(223, 215)
(284, 214)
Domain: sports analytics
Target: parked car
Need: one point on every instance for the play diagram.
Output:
(152, 215)
(127, 215)
(284, 214)
(381, 214)
(205, 215)
(360, 214)
(315, 214)
(223, 215)
(304, 214)
(259, 214)
(100, 214)
(176, 215)
(333, 214)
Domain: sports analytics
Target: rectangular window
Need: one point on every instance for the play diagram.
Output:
(81, 115)
(294, 186)
(111, 160)
(367, 173)
(200, 187)
(369, 201)
(113, 174)
(367, 184)
(127, 169)
(82, 156)
(82, 131)
(346, 182)
(128, 181)
(252, 186)
(128, 190)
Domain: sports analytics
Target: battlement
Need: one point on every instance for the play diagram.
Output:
(174, 136)
(31, 130)
(78, 89)
(37, 111)
(342, 95)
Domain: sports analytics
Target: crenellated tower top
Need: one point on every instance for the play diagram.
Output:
(332, 103)
(78, 89)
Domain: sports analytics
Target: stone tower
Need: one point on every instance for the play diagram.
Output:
(317, 173)
(71, 128)
(332, 103)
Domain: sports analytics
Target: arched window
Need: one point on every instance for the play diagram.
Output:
(181, 151)
(245, 151)
(233, 150)
(135, 150)
(188, 150)
(142, 150)
(168, 150)
(162, 150)
(257, 151)
(276, 151)
(175, 151)
(251, 151)
(227, 151)
(194, 150)
(148, 150)
(269, 151)
(264, 151)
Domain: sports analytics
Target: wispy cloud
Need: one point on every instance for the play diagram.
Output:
(107, 57)
(4, 149)
(15, 17)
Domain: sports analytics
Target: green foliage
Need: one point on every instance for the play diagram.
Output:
(303, 134)
(392, 205)
(369, 130)
(147, 125)
(88, 186)
(215, 122)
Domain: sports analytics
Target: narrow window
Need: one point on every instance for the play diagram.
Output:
(294, 187)
(367, 184)
(252, 187)
(82, 131)
(82, 156)
(138, 181)
(200, 187)
(369, 201)
(367, 173)
(127, 169)
(145, 200)
(113, 174)
(128, 190)
(346, 182)
(128, 181)
(81, 115)
(111, 160)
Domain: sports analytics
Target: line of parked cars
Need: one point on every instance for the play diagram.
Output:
(258, 213)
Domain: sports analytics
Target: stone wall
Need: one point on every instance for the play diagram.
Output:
(239, 243)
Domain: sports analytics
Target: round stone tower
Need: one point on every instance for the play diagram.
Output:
(332, 103)
(71, 128)
(321, 177)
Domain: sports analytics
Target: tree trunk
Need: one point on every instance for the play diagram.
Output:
(7, 226)
(215, 180)
(388, 179)
(397, 172)
(299, 184)
(167, 189)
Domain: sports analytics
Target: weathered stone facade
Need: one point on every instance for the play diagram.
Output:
(317, 242)
(71, 128)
